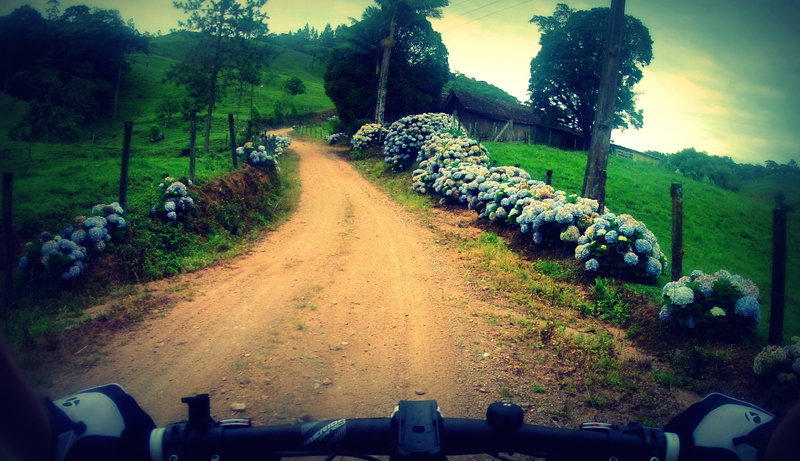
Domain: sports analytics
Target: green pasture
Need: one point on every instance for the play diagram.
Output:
(722, 229)
(54, 182)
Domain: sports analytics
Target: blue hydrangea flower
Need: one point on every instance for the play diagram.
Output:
(67, 230)
(49, 247)
(78, 236)
(172, 216)
(665, 314)
(631, 259)
(592, 265)
(796, 366)
(680, 295)
(570, 234)
(627, 229)
(23, 262)
(169, 205)
(74, 271)
(654, 267)
(95, 221)
(582, 252)
(747, 306)
(611, 236)
(96, 234)
(177, 189)
(643, 246)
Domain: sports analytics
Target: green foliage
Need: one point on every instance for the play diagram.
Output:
(565, 74)
(294, 86)
(418, 68)
(461, 82)
(66, 66)
(227, 50)
(609, 304)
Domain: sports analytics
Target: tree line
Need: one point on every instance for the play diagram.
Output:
(721, 171)
(68, 65)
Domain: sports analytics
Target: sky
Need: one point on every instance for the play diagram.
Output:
(725, 77)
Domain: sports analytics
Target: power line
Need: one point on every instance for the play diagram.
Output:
(481, 7)
(486, 15)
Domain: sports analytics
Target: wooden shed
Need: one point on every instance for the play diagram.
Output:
(634, 155)
(488, 119)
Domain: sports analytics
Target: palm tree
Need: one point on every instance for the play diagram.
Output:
(399, 11)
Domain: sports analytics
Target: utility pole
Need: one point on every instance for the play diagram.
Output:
(594, 180)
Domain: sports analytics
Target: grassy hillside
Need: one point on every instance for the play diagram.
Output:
(722, 229)
(55, 182)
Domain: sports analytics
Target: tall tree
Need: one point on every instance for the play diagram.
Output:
(395, 11)
(418, 62)
(565, 74)
(229, 29)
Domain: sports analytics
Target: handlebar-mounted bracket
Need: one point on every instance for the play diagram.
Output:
(417, 424)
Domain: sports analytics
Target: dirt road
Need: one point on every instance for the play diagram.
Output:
(347, 308)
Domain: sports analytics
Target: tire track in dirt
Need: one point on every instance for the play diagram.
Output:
(345, 309)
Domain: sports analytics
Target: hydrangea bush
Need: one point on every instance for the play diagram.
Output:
(63, 255)
(406, 137)
(447, 163)
(555, 216)
(621, 246)
(265, 157)
(176, 200)
(369, 135)
(717, 305)
(779, 363)
(335, 138)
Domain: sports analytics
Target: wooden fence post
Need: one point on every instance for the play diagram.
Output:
(677, 230)
(192, 143)
(8, 244)
(548, 178)
(778, 276)
(126, 157)
(232, 131)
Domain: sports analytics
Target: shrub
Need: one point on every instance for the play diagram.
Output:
(448, 163)
(369, 135)
(608, 303)
(553, 216)
(406, 137)
(294, 86)
(335, 138)
(621, 246)
(265, 157)
(63, 255)
(779, 363)
(716, 305)
(177, 203)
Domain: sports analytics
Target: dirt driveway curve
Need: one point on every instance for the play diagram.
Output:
(345, 309)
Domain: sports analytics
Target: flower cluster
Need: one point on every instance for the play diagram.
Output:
(265, 157)
(335, 138)
(779, 362)
(621, 246)
(447, 163)
(369, 135)
(722, 303)
(456, 169)
(554, 216)
(177, 202)
(63, 255)
(406, 137)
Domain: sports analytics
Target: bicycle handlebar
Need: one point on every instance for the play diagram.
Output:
(416, 431)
